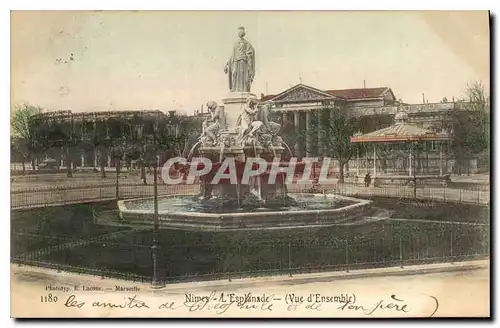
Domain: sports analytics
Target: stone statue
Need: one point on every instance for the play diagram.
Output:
(271, 127)
(241, 66)
(254, 126)
(212, 125)
(246, 122)
(267, 134)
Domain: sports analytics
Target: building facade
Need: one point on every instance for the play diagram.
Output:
(373, 108)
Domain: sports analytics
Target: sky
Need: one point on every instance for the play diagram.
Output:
(175, 60)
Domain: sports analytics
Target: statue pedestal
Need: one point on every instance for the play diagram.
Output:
(234, 102)
(228, 147)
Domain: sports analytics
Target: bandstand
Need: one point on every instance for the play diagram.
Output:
(402, 144)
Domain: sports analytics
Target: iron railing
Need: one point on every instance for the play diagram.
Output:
(96, 192)
(189, 256)
(69, 238)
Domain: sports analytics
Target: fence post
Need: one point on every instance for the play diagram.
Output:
(400, 250)
(347, 255)
(229, 249)
(451, 246)
(289, 259)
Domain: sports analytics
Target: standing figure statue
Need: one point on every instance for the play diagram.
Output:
(241, 66)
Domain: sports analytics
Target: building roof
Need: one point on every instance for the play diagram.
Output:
(359, 93)
(266, 97)
(400, 131)
(347, 94)
(99, 115)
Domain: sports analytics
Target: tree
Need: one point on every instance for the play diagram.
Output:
(470, 123)
(71, 143)
(25, 144)
(187, 133)
(57, 132)
(102, 144)
(167, 143)
(135, 149)
(336, 128)
(19, 151)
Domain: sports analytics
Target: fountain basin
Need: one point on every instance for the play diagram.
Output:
(185, 213)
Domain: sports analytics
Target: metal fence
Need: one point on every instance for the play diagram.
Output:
(190, 256)
(87, 193)
(478, 195)
(69, 238)
(95, 192)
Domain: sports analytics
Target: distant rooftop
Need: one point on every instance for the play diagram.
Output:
(359, 93)
(349, 94)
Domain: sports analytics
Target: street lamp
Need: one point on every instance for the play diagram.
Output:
(117, 152)
(152, 159)
(357, 134)
(441, 145)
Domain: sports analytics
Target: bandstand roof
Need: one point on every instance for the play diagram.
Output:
(400, 132)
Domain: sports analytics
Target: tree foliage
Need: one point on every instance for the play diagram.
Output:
(336, 128)
(23, 140)
(21, 120)
(470, 124)
(134, 137)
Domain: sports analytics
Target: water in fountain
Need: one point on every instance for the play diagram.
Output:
(191, 152)
(288, 148)
(187, 204)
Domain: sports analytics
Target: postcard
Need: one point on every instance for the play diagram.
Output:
(250, 164)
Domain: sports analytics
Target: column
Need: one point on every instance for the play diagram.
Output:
(284, 120)
(410, 171)
(331, 118)
(357, 160)
(374, 161)
(296, 123)
(320, 139)
(124, 160)
(95, 158)
(83, 158)
(109, 160)
(285, 117)
(440, 158)
(308, 136)
(367, 162)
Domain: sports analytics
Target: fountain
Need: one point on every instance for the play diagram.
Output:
(237, 132)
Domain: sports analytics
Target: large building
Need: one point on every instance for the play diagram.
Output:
(374, 108)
